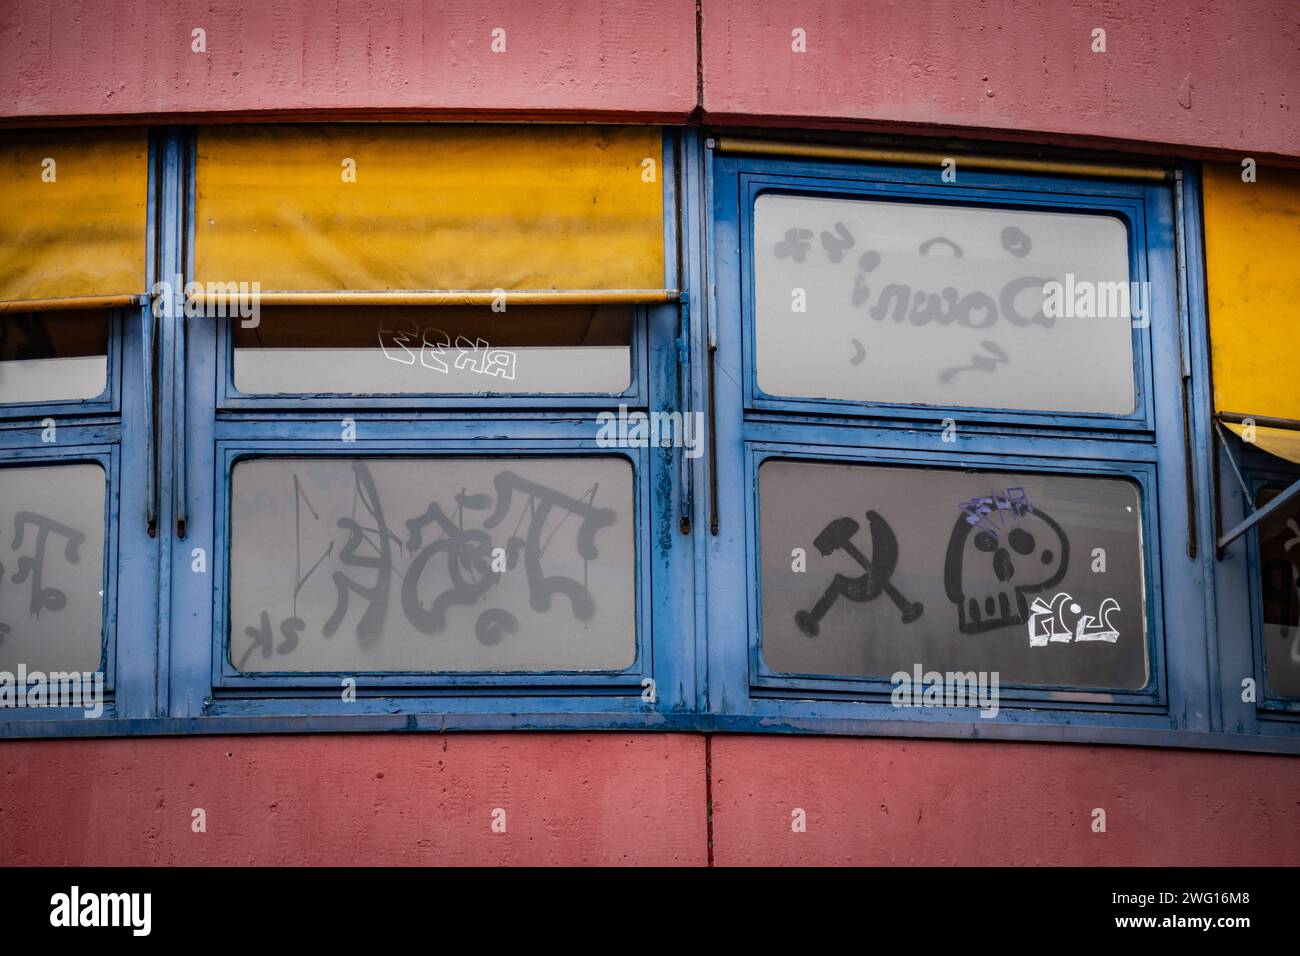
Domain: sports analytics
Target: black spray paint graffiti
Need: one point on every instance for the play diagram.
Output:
(979, 362)
(988, 584)
(371, 624)
(373, 546)
(874, 581)
(899, 301)
(33, 567)
(981, 577)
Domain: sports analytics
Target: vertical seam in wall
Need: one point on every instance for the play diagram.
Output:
(708, 794)
(699, 55)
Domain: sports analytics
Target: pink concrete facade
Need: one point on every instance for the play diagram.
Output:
(113, 58)
(581, 799)
(960, 803)
(1206, 76)
(616, 799)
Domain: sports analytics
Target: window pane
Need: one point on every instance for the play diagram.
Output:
(1279, 563)
(438, 350)
(1044, 587)
(49, 356)
(941, 305)
(51, 567)
(505, 564)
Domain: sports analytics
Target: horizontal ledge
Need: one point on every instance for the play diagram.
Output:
(76, 302)
(604, 721)
(1263, 421)
(763, 147)
(522, 297)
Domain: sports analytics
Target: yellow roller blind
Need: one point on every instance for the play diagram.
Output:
(358, 207)
(1252, 252)
(1283, 442)
(73, 216)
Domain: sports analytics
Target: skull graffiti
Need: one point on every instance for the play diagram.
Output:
(987, 577)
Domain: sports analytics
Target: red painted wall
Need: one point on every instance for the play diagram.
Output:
(343, 800)
(1199, 74)
(106, 58)
(578, 799)
(884, 802)
(1223, 74)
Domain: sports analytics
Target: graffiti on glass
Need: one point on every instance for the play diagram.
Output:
(454, 549)
(433, 350)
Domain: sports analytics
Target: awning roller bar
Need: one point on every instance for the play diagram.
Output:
(762, 147)
(437, 298)
(75, 302)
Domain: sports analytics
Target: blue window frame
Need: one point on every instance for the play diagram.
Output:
(111, 433)
(227, 428)
(172, 431)
(1251, 702)
(1144, 446)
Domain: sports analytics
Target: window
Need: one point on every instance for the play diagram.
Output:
(448, 350)
(52, 599)
(957, 407)
(78, 577)
(1253, 285)
(926, 304)
(1279, 594)
(53, 356)
(470, 564)
(977, 570)
(393, 388)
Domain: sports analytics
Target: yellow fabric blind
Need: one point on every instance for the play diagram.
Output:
(1252, 234)
(1282, 442)
(374, 208)
(73, 218)
(1252, 241)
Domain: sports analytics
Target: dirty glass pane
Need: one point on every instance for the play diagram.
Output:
(371, 564)
(435, 350)
(867, 571)
(51, 567)
(1279, 564)
(943, 305)
(53, 356)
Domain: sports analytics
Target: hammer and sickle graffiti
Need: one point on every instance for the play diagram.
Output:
(838, 536)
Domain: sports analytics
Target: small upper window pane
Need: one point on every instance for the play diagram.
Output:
(1279, 563)
(53, 356)
(444, 564)
(868, 571)
(51, 567)
(444, 350)
(913, 303)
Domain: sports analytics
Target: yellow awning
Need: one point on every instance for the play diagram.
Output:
(398, 207)
(73, 217)
(1252, 245)
(1252, 239)
(1282, 442)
